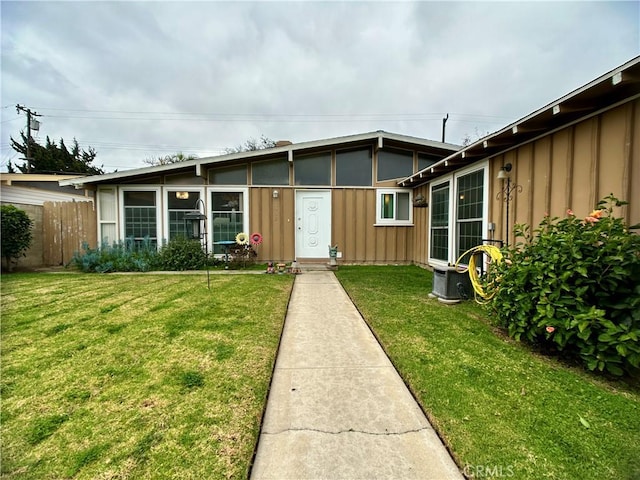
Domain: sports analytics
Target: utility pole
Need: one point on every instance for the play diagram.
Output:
(29, 113)
(444, 125)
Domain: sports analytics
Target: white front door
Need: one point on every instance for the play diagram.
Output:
(313, 223)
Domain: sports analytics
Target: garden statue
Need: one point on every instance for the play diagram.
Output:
(333, 254)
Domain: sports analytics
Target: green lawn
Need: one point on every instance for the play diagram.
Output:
(503, 410)
(136, 376)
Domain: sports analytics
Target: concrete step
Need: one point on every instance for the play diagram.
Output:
(314, 267)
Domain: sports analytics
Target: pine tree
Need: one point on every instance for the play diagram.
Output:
(52, 158)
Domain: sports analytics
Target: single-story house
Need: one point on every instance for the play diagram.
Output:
(388, 198)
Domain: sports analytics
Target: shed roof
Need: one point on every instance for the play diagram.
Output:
(613, 88)
(382, 137)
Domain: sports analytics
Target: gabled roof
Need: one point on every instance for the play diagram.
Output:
(617, 86)
(382, 137)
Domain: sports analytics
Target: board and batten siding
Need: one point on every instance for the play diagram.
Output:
(352, 227)
(420, 231)
(573, 168)
(274, 219)
(355, 232)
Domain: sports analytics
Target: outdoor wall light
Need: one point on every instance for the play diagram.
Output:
(275, 194)
(504, 172)
(506, 192)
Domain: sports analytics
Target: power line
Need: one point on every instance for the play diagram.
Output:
(224, 115)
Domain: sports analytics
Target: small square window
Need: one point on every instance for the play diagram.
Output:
(394, 207)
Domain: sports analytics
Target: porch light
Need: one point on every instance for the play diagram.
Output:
(275, 194)
(503, 174)
(182, 195)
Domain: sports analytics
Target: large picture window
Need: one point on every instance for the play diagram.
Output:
(140, 216)
(457, 211)
(227, 217)
(180, 203)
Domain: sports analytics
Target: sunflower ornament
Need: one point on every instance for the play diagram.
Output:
(242, 238)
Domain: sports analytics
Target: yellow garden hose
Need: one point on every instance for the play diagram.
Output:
(494, 254)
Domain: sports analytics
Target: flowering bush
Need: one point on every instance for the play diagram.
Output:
(573, 286)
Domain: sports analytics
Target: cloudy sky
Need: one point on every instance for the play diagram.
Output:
(136, 80)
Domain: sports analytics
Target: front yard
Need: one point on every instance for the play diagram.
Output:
(154, 376)
(136, 376)
(503, 410)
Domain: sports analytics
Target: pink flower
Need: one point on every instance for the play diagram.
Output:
(570, 212)
(591, 219)
(550, 329)
(256, 238)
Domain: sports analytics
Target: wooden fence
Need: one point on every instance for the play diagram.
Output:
(65, 227)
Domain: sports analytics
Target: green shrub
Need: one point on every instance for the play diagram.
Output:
(127, 256)
(16, 234)
(573, 286)
(182, 254)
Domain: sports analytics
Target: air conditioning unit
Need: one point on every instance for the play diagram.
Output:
(450, 286)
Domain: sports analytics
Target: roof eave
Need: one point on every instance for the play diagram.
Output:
(563, 111)
(197, 164)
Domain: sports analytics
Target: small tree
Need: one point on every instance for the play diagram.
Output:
(252, 145)
(16, 234)
(169, 159)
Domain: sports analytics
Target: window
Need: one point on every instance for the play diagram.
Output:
(107, 215)
(140, 216)
(180, 203)
(270, 172)
(394, 164)
(425, 160)
(227, 217)
(440, 222)
(470, 190)
(394, 207)
(458, 208)
(235, 175)
(353, 168)
(313, 169)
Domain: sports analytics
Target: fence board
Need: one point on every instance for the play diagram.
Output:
(66, 226)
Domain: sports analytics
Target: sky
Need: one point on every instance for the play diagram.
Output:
(138, 80)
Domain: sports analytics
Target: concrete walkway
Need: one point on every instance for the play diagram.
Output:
(337, 408)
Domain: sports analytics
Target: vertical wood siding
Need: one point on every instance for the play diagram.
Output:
(420, 232)
(573, 168)
(274, 219)
(357, 237)
(65, 227)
